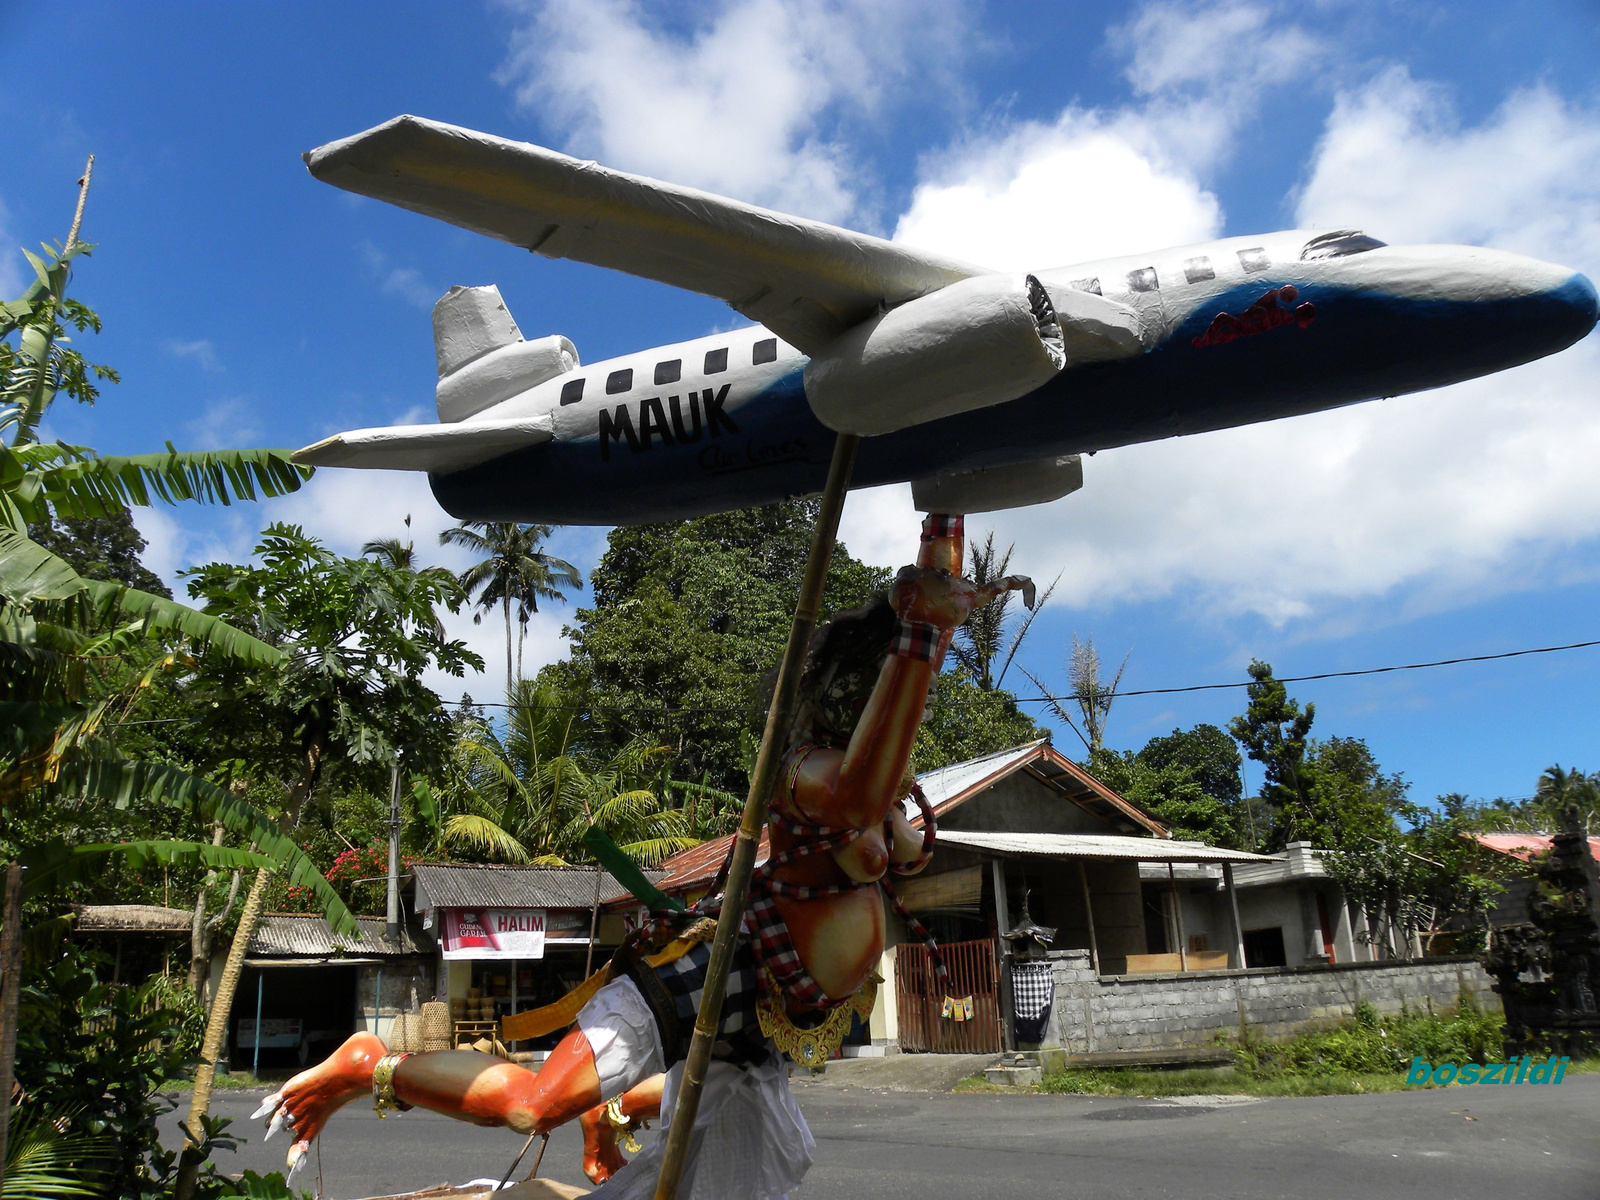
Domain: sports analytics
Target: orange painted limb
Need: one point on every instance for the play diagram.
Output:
(474, 1087)
(601, 1158)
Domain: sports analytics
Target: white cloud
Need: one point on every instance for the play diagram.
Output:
(1396, 160)
(199, 351)
(226, 423)
(405, 282)
(751, 101)
(1099, 182)
(1049, 195)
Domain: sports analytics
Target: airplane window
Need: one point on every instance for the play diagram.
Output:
(619, 381)
(1086, 285)
(1143, 280)
(1338, 244)
(669, 372)
(716, 360)
(766, 351)
(572, 391)
(1254, 259)
(1198, 270)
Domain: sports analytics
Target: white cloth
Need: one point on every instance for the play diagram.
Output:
(622, 1033)
(749, 1141)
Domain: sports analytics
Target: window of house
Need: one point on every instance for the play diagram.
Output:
(765, 351)
(572, 391)
(1087, 285)
(1143, 280)
(619, 381)
(1254, 259)
(669, 372)
(1198, 270)
(716, 360)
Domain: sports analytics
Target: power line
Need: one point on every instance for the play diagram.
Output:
(692, 710)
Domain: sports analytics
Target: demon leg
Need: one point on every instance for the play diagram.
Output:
(601, 1158)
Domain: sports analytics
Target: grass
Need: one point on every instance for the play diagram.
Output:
(1365, 1053)
(231, 1081)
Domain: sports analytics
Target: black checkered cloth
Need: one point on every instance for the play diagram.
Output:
(916, 639)
(673, 992)
(941, 525)
(1033, 989)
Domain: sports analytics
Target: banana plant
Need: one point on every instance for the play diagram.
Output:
(57, 631)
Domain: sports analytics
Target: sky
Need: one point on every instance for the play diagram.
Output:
(248, 305)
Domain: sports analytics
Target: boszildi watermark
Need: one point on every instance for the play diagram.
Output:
(1516, 1071)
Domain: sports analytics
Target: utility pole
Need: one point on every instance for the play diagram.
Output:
(391, 928)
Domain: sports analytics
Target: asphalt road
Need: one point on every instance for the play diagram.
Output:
(1450, 1144)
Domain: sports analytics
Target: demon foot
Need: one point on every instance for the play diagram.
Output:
(601, 1158)
(304, 1104)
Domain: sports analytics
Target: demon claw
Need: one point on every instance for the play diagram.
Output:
(297, 1158)
(279, 1119)
(268, 1106)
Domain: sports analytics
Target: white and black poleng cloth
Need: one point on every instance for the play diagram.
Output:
(1033, 989)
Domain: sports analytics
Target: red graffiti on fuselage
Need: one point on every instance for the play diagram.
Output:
(1265, 314)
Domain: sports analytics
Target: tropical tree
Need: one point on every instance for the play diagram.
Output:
(1558, 788)
(513, 571)
(530, 794)
(1091, 694)
(980, 642)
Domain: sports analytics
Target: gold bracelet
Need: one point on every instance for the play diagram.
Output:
(623, 1126)
(383, 1097)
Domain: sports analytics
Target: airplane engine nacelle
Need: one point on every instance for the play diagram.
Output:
(482, 356)
(990, 488)
(978, 342)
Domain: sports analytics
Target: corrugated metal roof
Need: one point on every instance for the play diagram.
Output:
(949, 782)
(1096, 845)
(496, 885)
(698, 865)
(299, 935)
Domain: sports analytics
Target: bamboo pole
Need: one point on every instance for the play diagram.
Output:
(10, 983)
(746, 841)
(1088, 912)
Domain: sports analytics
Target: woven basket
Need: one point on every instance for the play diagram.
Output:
(435, 1026)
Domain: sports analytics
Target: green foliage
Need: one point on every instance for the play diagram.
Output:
(693, 616)
(1273, 732)
(1188, 779)
(105, 548)
(356, 636)
(51, 1152)
(966, 720)
(101, 1052)
(688, 624)
(531, 793)
(1370, 1043)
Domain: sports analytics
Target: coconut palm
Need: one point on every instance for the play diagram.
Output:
(529, 795)
(513, 571)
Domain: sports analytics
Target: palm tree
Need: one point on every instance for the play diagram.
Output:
(530, 795)
(980, 641)
(513, 569)
(402, 556)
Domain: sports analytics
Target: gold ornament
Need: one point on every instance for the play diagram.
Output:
(383, 1098)
(815, 1046)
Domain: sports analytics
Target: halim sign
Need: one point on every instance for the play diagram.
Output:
(494, 933)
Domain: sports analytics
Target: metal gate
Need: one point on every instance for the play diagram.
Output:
(919, 999)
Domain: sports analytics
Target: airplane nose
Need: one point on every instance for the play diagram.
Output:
(1583, 300)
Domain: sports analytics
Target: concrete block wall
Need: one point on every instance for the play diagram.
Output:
(1095, 1014)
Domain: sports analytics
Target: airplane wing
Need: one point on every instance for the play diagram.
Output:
(434, 448)
(804, 280)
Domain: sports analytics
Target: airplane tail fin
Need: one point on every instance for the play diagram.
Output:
(469, 322)
(483, 358)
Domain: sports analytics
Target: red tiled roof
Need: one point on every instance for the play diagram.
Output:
(1525, 845)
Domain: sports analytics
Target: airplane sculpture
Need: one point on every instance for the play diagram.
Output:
(980, 388)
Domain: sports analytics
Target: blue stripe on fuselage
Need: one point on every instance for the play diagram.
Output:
(1361, 345)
